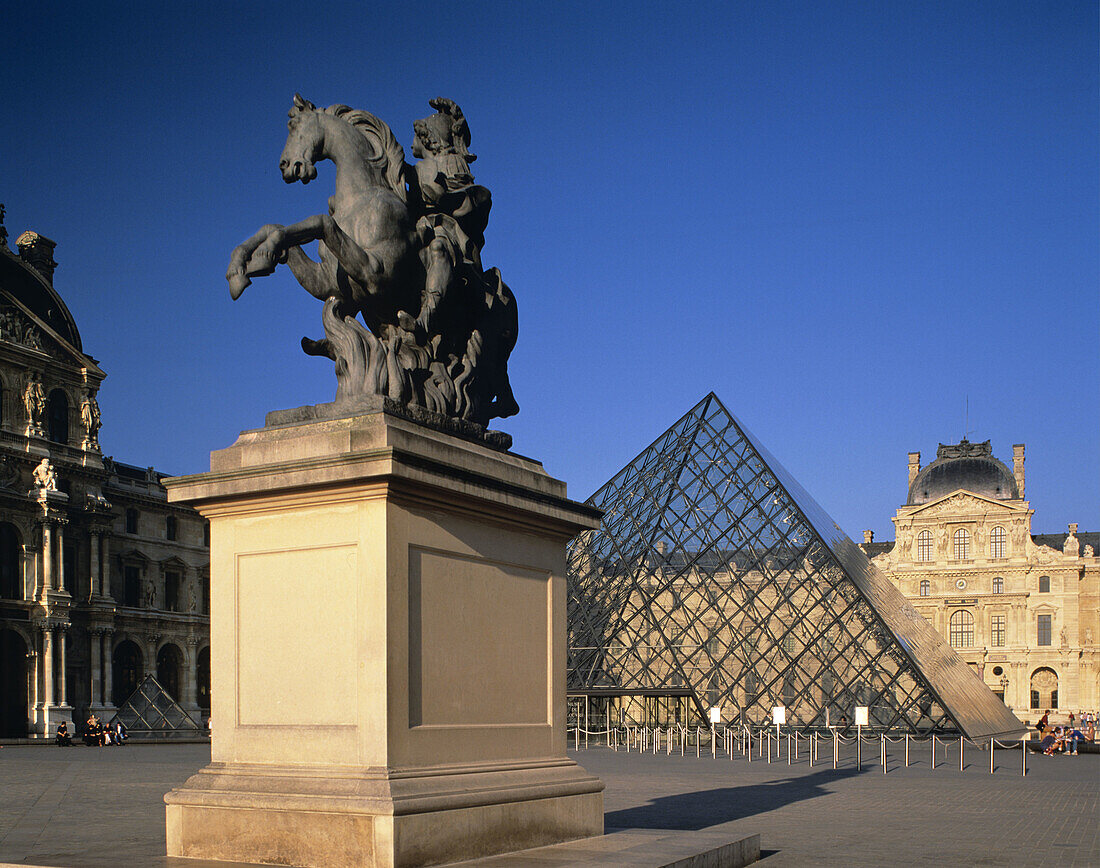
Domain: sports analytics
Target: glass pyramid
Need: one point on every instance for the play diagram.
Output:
(151, 713)
(716, 580)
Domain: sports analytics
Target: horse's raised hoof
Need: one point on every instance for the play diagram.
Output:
(237, 283)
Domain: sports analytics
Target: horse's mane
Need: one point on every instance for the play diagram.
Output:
(389, 156)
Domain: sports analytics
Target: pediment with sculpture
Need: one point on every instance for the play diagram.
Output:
(963, 503)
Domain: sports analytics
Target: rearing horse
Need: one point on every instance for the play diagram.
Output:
(369, 252)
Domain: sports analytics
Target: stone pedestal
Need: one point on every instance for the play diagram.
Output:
(388, 650)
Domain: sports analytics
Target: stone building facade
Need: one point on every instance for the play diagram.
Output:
(1022, 609)
(102, 581)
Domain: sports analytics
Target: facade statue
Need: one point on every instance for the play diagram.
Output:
(44, 476)
(90, 419)
(34, 402)
(409, 312)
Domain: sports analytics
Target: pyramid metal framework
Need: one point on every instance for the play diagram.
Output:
(151, 712)
(716, 577)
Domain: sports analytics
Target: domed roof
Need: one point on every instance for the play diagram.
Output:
(965, 465)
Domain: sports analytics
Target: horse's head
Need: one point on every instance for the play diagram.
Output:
(304, 143)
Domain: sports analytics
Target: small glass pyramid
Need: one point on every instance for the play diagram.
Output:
(716, 580)
(151, 713)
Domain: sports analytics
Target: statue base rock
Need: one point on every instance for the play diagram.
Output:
(388, 635)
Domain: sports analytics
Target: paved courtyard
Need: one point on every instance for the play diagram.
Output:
(103, 807)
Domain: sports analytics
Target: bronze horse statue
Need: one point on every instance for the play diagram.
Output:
(436, 330)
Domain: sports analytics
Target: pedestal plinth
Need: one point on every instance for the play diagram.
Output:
(388, 650)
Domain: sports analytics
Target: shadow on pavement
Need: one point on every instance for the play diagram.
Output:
(699, 810)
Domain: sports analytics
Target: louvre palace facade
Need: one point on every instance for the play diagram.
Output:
(102, 581)
(1022, 609)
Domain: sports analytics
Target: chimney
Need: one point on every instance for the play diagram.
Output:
(37, 251)
(1018, 467)
(868, 537)
(914, 466)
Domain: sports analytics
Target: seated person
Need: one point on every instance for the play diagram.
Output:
(118, 732)
(1049, 741)
(63, 737)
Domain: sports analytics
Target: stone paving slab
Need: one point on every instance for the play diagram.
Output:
(82, 806)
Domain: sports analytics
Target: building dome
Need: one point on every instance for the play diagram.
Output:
(965, 465)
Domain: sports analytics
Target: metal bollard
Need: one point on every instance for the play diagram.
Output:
(789, 748)
(810, 747)
(1023, 758)
(884, 757)
(769, 745)
(907, 750)
(697, 742)
(577, 738)
(713, 746)
(992, 745)
(960, 753)
(933, 753)
(836, 749)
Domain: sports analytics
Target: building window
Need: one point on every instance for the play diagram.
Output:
(924, 546)
(172, 590)
(170, 528)
(961, 629)
(1044, 630)
(998, 585)
(997, 542)
(206, 534)
(131, 521)
(11, 562)
(131, 592)
(1044, 584)
(997, 633)
(57, 417)
(206, 595)
(925, 587)
(962, 544)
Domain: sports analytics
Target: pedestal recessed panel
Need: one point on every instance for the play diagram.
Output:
(479, 641)
(296, 662)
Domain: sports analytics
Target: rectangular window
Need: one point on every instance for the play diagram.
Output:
(997, 631)
(172, 591)
(1044, 630)
(170, 528)
(131, 521)
(132, 587)
(206, 595)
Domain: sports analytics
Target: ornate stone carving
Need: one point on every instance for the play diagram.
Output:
(964, 449)
(90, 419)
(400, 247)
(34, 402)
(10, 472)
(16, 328)
(1088, 552)
(44, 475)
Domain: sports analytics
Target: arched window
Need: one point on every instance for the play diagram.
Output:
(1044, 688)
(997, 542)
(1044, 584)
(127, 663)
(962, 544)
(11, 573)
(202, 680)
(169, 662)
(925, 587)
(57, 416)
(961, 629)
(998, 585)
(924, 545)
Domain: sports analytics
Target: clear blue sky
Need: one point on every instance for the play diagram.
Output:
(847, 219)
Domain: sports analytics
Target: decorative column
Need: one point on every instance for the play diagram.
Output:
(108, 669)
(48, 578)
(62, 698)
(33, 657)
(47, 671)
(105, 556)
(95, 585)
(60, 562)
(189, 700)
(95, 650)
(151, 658)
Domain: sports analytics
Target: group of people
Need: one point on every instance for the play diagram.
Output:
(96, 733)
(1065, 739)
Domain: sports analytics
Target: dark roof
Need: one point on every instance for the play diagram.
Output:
(967, 466)
(1057, 540)
(32, 290)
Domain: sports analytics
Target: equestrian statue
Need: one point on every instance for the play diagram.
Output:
(400, 247)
